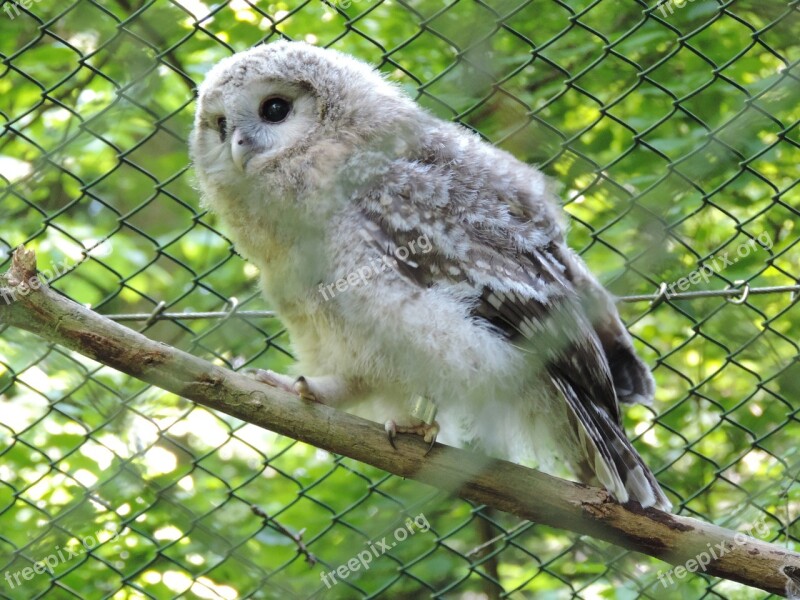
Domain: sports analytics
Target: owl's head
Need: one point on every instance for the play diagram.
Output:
(288, 114)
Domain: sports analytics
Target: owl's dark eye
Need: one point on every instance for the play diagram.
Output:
(222, 127)
(274, 110)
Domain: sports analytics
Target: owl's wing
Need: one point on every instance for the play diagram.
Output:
(542, 299)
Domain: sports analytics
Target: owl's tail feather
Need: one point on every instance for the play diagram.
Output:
(608, 454)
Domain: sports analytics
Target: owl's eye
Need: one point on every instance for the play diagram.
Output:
(222, 127)
(274, 110)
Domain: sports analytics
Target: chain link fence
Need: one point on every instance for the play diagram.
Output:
(672, 130)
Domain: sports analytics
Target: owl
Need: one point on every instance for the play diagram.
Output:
(422, 273)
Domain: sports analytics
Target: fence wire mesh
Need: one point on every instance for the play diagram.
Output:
(673, 132)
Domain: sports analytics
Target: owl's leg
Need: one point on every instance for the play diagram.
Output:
(428, 431)
(330, 389)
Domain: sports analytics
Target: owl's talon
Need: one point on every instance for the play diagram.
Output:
(428, 451)
(391, 431)
(302, 389)
(428, 431)
(431, 432)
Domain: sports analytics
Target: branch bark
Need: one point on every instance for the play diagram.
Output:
(512, 488)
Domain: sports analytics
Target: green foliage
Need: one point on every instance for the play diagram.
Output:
(672, 140)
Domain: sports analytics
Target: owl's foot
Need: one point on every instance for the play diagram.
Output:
(299, 386)
(303, 389)
(428, 431)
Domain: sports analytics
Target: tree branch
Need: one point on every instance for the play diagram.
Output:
(512, 488)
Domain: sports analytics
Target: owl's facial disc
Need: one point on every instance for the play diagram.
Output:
(248, 122)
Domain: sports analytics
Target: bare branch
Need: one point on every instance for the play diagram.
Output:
(512, 488)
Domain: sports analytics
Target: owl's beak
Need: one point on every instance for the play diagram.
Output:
(241, 149)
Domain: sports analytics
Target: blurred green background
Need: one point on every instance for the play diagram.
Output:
(673, 138)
